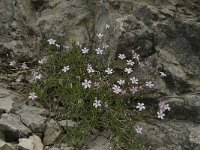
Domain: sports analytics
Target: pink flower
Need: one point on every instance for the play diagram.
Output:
(24, 66)
(133, 90)
(12, 63)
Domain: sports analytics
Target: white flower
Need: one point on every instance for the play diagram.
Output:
(51, 41)
(109, 71)
(42, 61)
(107, 26)
(133, 90)
(37, 75)
(99, 35)
(32, 96)
(167, 107)
(65, 68)
(116, 89)
(130, 62)
(128, 70)
(97, 103)
(138, 129)
(90, 69)
(163, 74)
(86, 84)
(57, 45)
(140, 106)
(12, 63)
(121, 56)
(121, 82)
(149, 84)
(66, 46)
(104, 46)
(160, 114)
(99, 51)
(24, 66)
(134, 80)
(84, 50)
(141, 64)
(136, 56)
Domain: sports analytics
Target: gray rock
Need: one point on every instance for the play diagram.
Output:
(25, 144)
(170, 135)
(51, 133)
(6, 100)
(32, 143)
(11, 126)
(185, 107)
(54, 148)
(100, 143)
(37, 142)
(6, 146)
(31, 117)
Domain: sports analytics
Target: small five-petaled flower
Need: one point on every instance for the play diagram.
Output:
(85, 50)
(32, 96)
(140, 106)
(86, 84)
(134, 80)
(97, 103)
(116, 89)
(12, 63)
(109, 71)
(130, 62)
(128, 70)
(99, 51)
(51, 41)
(121, 56)
(138, 129)
(65, 68)
(149, 84)
(121, 82)
(160, 114)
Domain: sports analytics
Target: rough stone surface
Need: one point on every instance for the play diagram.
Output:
(100, 143)
(170, 135)
(12, 127)
(51, 133)
(32, 143)
(6, 146)
(25, 144)
(31, 117)
(6, 100)
(37, 142)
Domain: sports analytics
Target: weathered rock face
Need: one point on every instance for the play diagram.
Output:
(164, 33)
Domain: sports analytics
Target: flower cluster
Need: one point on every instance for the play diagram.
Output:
(86, 88)
(162, 108)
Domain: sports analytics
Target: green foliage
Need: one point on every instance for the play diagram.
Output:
(66, 89)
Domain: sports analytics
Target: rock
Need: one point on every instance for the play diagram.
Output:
(6, 100)
(25, 144)
(31, 117)
(32, 143)
(194, 136)
(51, 133)
(185, 107)
(37, 142)
(6, 146)
(180, 134)
(54, 148)
(100, 143)
(12, 127)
